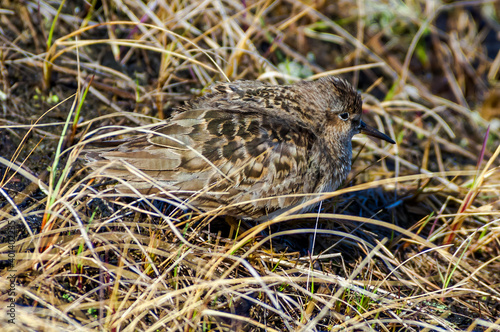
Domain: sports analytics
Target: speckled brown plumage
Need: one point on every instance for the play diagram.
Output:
(245, 146)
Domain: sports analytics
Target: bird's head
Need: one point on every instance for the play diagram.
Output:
(342, 111)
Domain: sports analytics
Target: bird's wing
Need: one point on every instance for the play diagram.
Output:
(223, 154)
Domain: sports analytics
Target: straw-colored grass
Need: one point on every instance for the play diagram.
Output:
(410, 242)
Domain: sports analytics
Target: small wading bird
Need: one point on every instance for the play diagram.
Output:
(247, 149)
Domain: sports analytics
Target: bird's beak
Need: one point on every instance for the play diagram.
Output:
(366, 129)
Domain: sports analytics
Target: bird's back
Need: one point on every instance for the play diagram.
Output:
(219, 150)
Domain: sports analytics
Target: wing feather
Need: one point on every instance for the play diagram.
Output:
(222, 156)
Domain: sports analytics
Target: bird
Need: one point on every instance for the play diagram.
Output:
(246, 149)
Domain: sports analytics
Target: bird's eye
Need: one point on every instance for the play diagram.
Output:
(344, 116)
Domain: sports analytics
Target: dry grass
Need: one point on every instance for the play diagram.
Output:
(412, 241)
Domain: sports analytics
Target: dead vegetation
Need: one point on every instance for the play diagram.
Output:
(412, 241)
